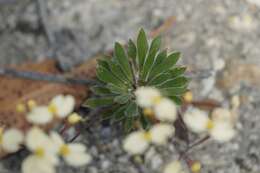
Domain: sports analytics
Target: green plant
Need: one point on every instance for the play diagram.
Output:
(143, 64)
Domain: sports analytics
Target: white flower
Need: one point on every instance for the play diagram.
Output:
(136, 142)
(245, 22)
(34, 163)
(39, 115)
(37, 139)
(74, 154)
(147, 96)
(165, 110)
(173, 167)
(220, 126)
(196, 120)
(62, 105)
(222, 131)
(160, 133)
(11, 139)
(221, 114)
(44, 154)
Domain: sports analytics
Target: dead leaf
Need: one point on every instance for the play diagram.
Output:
(15, 90)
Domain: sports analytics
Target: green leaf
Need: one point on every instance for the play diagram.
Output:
(96, 102)
(106, 76)
(131, 110)
(103, 63)
(177, 100)
(160, 57)
(146, 123)
(117, 90)
(128, 124)
(123, 60)
(159, 79)
(168, 63)
(178, 71)
(173, 83)
(142, 47)
(118, 72)
(155, 46)
(100, 90)
(119, 114)
(122, 99)
(174, 91)
(131, 50)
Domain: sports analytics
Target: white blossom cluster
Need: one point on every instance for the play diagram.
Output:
(220, 125)
(163, 109)
(151, 100)
(46, 148)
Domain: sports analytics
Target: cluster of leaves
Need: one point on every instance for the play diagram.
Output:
(143, 64)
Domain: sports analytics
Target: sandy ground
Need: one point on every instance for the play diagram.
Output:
(220, 38)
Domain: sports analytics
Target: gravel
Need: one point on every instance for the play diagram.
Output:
(210, 34)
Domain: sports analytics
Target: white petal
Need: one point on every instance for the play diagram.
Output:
(57, 139)
(166, 110)
(76, 158)
(77, 147)
(52, 158)
(135, 143)
(196, 120)
(222, 132)
(173, 167)
(11, 140)
(160, 133)
(34, 164)
(145, 96)
(63, 104)
(221, 114)
(40, 115)
(36, 138)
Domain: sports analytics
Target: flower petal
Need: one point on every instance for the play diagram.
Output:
(63, 104)
(222, 132)
(57, 139)
(77, 158)
(196, 120)
(11, 140)
(77, 147)
(166, 110)
(39, 115)
(145, 96)
(33, 164)
(36, 138)
(135, 143)
(173, 167)
(160, 133)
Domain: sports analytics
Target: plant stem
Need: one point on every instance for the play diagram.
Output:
(200, 141)
(46, 77)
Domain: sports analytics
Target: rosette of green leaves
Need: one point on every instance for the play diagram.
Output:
(142, 64)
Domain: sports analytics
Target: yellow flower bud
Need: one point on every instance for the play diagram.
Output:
(148, 112)
(31, 104)
(210, 124)
(147, 136)
(157, 100)
(196, 167)
(188, 97)
(74, 118)
(20, 108)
